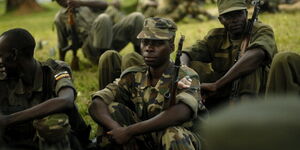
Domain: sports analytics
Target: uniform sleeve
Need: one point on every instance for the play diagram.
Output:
(199, 51)
(62, 75)
(61, 30)
(264, 38)
(191, 96)
(118, 91)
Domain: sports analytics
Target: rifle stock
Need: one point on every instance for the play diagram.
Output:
(177, 65)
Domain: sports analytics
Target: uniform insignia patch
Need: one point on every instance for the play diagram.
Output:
(61, 75)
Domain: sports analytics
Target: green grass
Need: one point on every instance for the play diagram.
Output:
(285, 25)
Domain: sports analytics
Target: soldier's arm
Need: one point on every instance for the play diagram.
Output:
(250, 61)
(161, 121)
(61, 103)
(100, 114)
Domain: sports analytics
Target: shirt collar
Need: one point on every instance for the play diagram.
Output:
(166, 76)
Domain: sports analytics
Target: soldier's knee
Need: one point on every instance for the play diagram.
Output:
(102, 18)
(137, 16)
(108, 55)
(52, 128)
(282, 58)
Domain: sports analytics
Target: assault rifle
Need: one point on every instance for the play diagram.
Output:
(75, 45)
(177, 65)
(246, 40)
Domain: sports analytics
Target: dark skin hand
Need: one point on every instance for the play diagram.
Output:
(64, 101)
(122, 135)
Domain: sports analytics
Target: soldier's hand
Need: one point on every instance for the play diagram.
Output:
(184, 83)
(120, 135)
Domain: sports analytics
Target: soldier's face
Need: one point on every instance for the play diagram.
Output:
(156, 52)
(8, 63)
(234, 22)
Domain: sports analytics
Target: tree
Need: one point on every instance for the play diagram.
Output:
(22, 6)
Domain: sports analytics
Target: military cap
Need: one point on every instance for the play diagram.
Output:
(158, 29)
(225, 6)
(271, 124)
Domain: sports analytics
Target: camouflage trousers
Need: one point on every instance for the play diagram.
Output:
(107, 33)
(172, 138)
(253, 84)
(284, 76)
(111, 64)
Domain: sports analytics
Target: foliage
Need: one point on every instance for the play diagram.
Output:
(285, 24)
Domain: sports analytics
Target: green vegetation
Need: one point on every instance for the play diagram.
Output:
(285, 24)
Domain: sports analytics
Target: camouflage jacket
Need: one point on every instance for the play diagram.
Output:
(134, 90)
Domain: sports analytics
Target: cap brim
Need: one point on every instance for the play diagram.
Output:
(232, 9)
(154, 34)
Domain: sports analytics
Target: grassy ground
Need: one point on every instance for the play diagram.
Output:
(285, 24)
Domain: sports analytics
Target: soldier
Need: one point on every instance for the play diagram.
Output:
(37, 99)
(221, 46)
(284, 76)
(135, 111)
(99, 26)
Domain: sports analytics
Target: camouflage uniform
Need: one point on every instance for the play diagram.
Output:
(132, 99)
(284, 76)
(56, 131)
(99, 30)
(220, 51)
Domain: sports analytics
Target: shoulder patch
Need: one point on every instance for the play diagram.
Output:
(134, 69)
(63, 74)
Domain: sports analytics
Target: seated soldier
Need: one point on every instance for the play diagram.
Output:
(37, 99)
(99, 27)
(235, 72)
(136, 112)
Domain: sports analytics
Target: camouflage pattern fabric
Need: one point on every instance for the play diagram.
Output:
(156, 28)
(53, 129)
(284, 76)
(147, 102)
(100, 30)
(174, 138)
(215, 54)
(111, 64)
